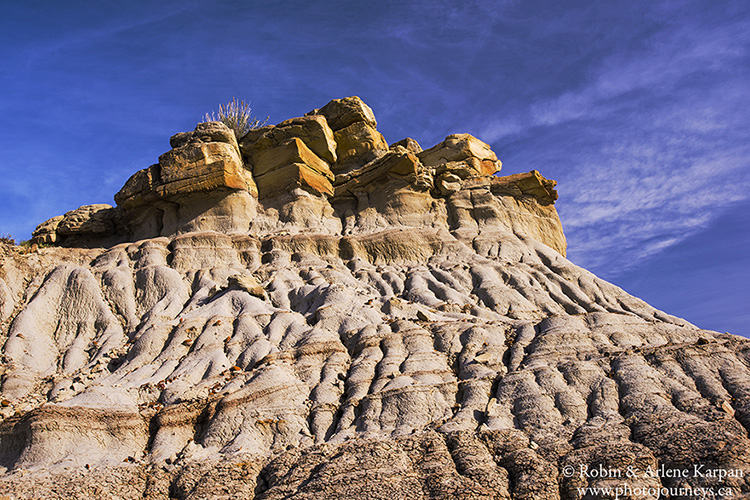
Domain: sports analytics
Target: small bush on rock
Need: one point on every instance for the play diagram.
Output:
(7, 239)
(237, 115)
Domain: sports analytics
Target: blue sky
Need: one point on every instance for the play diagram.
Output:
(639, 109)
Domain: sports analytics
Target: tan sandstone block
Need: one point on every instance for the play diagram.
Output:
(356, 140)
(341, 113)
(46, 232)
(139, 187)
(313, 130)
(463, 148)
(291, 151)
(87, 219)
(409, 144)
(399, 163)
(526, 184)
(205, 132)
(291, 176)
(203, 167)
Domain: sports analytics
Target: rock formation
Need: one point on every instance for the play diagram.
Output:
(307, 312)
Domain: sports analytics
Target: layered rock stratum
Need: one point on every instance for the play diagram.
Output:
(307, 312)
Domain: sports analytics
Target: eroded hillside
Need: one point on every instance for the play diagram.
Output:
(308, 312)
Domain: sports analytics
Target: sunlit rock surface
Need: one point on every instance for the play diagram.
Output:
(307, 312)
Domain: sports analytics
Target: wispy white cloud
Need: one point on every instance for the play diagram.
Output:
(630, 207)
(671, 150)
(670, 57)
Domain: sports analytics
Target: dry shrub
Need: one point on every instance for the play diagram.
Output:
(237, 115)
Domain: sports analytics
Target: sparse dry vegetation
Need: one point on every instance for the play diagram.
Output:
(237, 115)
(7, 239)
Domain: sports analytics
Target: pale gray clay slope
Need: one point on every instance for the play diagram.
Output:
(310, 313)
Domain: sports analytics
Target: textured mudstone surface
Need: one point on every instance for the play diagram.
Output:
(416, 333)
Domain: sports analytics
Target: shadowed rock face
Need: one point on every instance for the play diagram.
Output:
(411, 329)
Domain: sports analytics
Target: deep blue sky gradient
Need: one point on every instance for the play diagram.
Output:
(639, 109)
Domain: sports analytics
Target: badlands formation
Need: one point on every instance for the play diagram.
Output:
(308, 312)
